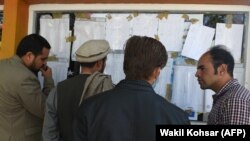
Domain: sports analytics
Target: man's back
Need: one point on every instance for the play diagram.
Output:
(63, 103)
(69, 94)
(128, 112)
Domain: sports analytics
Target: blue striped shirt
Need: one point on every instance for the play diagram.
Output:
(231, 105)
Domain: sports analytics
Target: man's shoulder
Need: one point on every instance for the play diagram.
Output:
(99, 75)
(76, 78)
(102, 97)
(10, 67)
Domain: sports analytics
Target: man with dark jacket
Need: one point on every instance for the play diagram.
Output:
(132, 109)
(65, 99)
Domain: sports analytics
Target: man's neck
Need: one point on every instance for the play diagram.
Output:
(86, 70)
(222, 83)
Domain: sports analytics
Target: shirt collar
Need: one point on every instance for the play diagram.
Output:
(227, 86)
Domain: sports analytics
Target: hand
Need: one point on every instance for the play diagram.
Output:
(46, 71)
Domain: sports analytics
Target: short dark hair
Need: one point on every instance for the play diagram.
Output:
(33, 43)
(142, 55)
(220, 55)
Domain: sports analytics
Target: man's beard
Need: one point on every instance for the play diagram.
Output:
(33, 68)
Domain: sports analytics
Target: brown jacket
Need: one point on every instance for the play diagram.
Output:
(21, 102)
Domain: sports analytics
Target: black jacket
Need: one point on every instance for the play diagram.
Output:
(130, 111)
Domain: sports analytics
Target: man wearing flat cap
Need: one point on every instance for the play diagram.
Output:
(64, 100)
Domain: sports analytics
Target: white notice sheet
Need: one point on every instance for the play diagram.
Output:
(118, 30)
(145, 25)
(230, 37)
(56, 31)
(198, 41)
(171, 31)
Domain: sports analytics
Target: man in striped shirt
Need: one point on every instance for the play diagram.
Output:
(231, 101)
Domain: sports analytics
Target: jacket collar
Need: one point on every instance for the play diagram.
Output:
(136, 85)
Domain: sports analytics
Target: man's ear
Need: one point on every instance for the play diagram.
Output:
(99, 64)
(28, 57)
(157, 71)
(222, 69)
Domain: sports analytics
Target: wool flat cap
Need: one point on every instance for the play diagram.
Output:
(92, 50)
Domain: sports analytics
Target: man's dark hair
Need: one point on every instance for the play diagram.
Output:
(33, 43)
(91, 64)
(142, 55)
(220, 56)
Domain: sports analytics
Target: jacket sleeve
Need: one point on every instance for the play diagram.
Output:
(31, 96)
(48, 85)
(50, 125)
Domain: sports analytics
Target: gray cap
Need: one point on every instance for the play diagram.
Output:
(92, 50)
